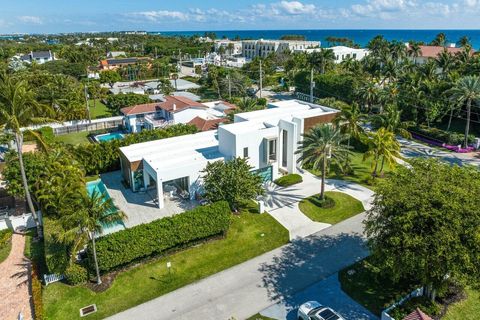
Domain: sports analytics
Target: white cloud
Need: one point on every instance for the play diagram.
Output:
(382, 8)
(161, 15)
(293, 7)
(31, 19)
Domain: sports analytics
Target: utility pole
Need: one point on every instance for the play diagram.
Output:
(180, 56)
(87, 103)
(156, 56)
(229, 87)
(312, 85)
(261, 79)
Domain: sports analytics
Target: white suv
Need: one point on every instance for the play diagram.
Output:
(312, 310)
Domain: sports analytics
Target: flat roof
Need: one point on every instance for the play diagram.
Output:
(171, 148)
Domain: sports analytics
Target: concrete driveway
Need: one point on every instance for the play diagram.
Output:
(329, 293)
(282, 203)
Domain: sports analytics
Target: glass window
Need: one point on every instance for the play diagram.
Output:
(272, 150)
(245, 152)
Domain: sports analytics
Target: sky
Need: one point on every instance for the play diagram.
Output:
(55, 16)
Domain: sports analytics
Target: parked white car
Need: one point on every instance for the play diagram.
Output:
(312, 310)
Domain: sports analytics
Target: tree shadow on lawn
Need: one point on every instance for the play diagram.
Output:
(310, 260)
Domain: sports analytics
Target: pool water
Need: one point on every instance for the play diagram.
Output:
(99, 187)
(109, 136)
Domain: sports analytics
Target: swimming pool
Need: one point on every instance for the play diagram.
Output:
(109, 136)
(98, 186)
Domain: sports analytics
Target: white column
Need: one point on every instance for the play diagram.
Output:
(160, 193)
(146, 179)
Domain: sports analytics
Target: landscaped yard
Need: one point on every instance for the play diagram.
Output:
(362, 171)
(73, 138)
(250, 235)
(468, 309)
(98, 110)
(344, 208)
(370, 287)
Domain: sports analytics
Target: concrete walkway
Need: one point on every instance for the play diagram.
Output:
(254, 285)
(282, 203)
(413, 149)
(14, 282)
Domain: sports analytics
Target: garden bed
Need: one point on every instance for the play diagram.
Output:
(337, 207)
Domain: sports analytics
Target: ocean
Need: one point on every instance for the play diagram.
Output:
(360, 37)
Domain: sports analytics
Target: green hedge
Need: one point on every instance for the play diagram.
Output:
(121, 248)
(104, 157)
(451, 138)
(288, 180)
(56, 253)
(76, 274)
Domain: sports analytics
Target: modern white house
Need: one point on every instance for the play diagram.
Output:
(174, 110)
(343, 53)
(263, 48)
(231, 48)
(267, 138)
(39, 57)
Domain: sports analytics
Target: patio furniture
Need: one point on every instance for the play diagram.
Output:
(170, 190)
(185, 195)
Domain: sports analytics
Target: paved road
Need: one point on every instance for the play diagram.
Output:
(254, 285)
(413, 149)
(329, 293)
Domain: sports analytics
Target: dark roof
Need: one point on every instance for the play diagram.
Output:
(120, 61)
(41, 54)
(206, 124)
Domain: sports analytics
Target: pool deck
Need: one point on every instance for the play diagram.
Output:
(141, 207)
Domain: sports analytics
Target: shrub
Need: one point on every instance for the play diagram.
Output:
(76, 274)
(123, 247)
(288, 180)
(425, 304)
(119, 101)
(104, 157)
(56, 254)
(45, 132)
(5, 237)
(452, 138)
(36, 294)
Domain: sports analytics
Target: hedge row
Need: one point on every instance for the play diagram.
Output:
(288, 180)
(104, 157)
(451, 138)
(123, 247)
(56, 253)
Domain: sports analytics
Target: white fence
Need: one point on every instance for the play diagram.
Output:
(23, 221)
(415, 293)
(82, 125)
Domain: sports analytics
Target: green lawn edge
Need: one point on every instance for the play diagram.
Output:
(345, 207)
(250, 235)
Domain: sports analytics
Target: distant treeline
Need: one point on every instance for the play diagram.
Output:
(298, 37)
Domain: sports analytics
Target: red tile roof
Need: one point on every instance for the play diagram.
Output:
(417, 314)
(205, 125)
(434, 51)
(180, 103)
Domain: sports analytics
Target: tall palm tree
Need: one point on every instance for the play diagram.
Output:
(414, 51)
(466, 91)
(18, 109)
(323, 143)
(391, 120)
(85, 221)
(368, 94)
(350, 122)
(382, 144)
(319, 60)
(445, 61)
(247, 104)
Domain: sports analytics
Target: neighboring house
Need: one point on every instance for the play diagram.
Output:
(267, 138)
(179, 85)
(417, 314)
(343, 53)
(432, 52)
(116, 54)
(39, 57)
(231, 48)
(172, 110)
(115, 63)
(263, 48)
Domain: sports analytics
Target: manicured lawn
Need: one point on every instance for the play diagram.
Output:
(468, 309)
(5, 244)
(362, 171)
(98, 110)
(73, 138)
(345, 207)
(250, 235)
(370, 287)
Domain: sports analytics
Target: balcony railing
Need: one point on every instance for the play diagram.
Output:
(157, 121)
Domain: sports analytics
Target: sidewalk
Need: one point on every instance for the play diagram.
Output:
(14, 282)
